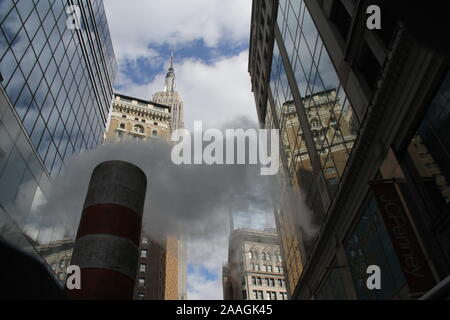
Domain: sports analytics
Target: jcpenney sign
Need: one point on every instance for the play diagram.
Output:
(417, 272)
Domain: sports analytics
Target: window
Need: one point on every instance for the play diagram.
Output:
(264, 268)
(138, 129)
(369, 66)
(388, 29)
(155, 123)
(315, 124)
(278, 269)
(122, 126)
(142, 267)
(250, 255)
(333, 181)
(368, 244)
(255, 294)
(280, 283)
(154, 133)
(267, 282)
(143, 253)
(269, 268)
(330, 170)
(432, 138)
(341, 18)
(244, 294)
(257, 267)
(259, 281)
(144, 240)
(254, 281)
(260, 295)
(124, 116)
(272, 282)
(243, 280)
(141, 283)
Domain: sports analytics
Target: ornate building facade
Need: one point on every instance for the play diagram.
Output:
(254, 270)
(132, 118)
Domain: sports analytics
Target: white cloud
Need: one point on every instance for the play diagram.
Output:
(136, 24)
(202, 288)
(215, 93)
(206, 256)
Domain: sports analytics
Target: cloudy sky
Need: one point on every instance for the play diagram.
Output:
(209, 39)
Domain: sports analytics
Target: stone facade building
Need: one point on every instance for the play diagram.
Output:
(254, 270)
(137, 119)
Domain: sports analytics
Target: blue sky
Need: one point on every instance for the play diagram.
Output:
(142, 71)
(210, 40)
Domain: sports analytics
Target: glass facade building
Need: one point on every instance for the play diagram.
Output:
(358, 124)
(56, 95)
(317, 124)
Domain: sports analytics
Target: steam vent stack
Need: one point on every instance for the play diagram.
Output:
(107, 242)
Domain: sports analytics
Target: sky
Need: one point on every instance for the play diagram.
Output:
(209, 39)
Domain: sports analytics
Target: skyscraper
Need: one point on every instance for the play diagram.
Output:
(361, 114)
(56, 91)
(170, 97)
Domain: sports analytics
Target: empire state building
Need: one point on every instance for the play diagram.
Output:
(172, 98)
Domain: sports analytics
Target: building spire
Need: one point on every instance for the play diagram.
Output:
(170, 77)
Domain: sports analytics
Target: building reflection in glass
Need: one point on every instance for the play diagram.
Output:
(55, 95)
(314, 167)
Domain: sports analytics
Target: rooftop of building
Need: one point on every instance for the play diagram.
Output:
(142, 101)
(251, 235)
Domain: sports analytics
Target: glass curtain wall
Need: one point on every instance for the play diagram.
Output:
(57, 85)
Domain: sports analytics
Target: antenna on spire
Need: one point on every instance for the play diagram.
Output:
(171, 60)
